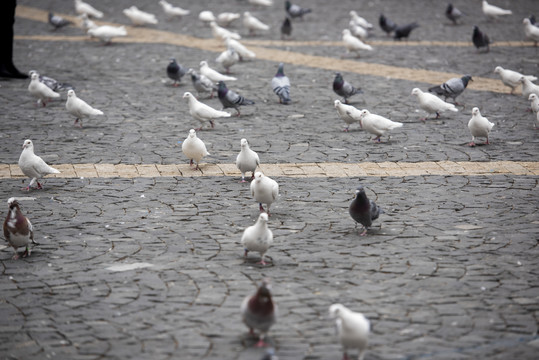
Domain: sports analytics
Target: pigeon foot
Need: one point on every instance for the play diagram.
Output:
(364, 232)
(261, 343)
(262, 262)
(472, 144)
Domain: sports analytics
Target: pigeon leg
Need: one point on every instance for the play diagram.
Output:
(39, 186)
(346, 129)
(262, 262)
(26, 188)
(190, 162)
(364, 232)
(261, 207)
(26, 252)
(243, 179)
(245, 255)
(377, 139)
(487, 143)
(212, 124)
(437, 115)
(16, 256)
(238, 112)
(472, 144)
(175, 84)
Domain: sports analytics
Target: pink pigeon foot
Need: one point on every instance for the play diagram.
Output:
(261, 343)
(364, 232)
(15, 257)
(262, 262)
(472, 144)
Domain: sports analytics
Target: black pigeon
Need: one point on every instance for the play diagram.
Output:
(258, 311)
(480, 39)
(295, 10)
(404, 30)
(452, 87)
(363, 210)
(230, 99)
(58, 21)
(453, 13)
(344, 88)
(175, 71)
(52, 83)
(18, 230)
(286, 28)
(386, 24)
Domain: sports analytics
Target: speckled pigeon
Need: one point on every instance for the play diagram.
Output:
(363, 210)
(58, 21)
(295, 10)
(230, 99)
(18, 230)
(452, 87)
(344, 88)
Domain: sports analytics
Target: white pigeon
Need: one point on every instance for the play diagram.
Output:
(242, 51)
(358, 31)
(258, 237)
(194, 148)
(528, 87)
(353, 329)
(353, 44)
(84, 8)
(41, 91)
(172, 10)
(348, 113)
(86, 23)
(253, 24)
(33, 166)
(79, 108)
(206, 16)
(266, 3)
(106, 32)
(226, 18)
(228, 58)
(534, 98)
(432, 104)
(212, 74)
(493, 12)
(511, 78)
(531, 31)
(265, 190)
(358, 20)
(247, 160)
(203, 112)
(139, 17)
(220, 33)
(479, 126)
(376, 124)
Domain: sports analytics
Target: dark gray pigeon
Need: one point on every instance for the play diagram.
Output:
(480, 39)
(344, 88)
(175, 71)
(363, 210)
(404, 30)
(281, 85)
(58, 21)
(452, 13)
(286, 28)
(452, 87)
(295, 10)
(230, 99)
(52, 83)
(386, 24)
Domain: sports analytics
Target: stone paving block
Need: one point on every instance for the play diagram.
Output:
(126, 170)
(311, 169)
(188, 170)
(392, 168)
(291, 170)
(211, 170)
(452, 167)
(15, 171)
(514, 168)
(373, 169)
(332, 169)
(5, 173)
(271, 170)
(85, 170)
(353, 169)
(168, 170)
(147, 170)
(66, 171)
(229, 169)
(106, 170)
(532, 167)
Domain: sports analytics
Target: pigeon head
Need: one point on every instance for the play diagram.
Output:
(532, 97)
(187, 95)
(35, 76)
(522, 79)
(475, 111)
(498, 69)
(263, 217)
(360, 190)
(335, 310)
(526, 21)
(338, 80)
(465, 79)
(280, 71)
(27, 144)
(244, 143)
(258, 176)
(364, 113)
(203, 63)
(71, 93)
(346, 32)
(337, 103)
(416, 91)
(263, 293)
(12, 202)
(222, 89)
(192, 133)
(172, 60)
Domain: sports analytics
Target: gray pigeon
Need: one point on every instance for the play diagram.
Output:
(452, 88)
(230, 99)
(452, 13)
(295, 10)
(281, 85)
(344, 88)
(201, 83)
(363, 210)
(58, 21)
(175, 71)
(53, 84)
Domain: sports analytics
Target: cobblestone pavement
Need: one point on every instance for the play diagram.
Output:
(140, 258)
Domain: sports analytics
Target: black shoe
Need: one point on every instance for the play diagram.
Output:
(10, 71)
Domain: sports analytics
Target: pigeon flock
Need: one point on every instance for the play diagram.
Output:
(258, 310)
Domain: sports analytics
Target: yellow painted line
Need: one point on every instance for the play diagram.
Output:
(397, 169)
(149, 35)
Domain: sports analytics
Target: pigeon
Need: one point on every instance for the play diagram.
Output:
(295, 11)
(432, 104)
(452, 87)
(252, 24)
(343, 88)
(536, 122)
(85, 8)
(203, 112)
(363, 210)
(206, 16)
(358, 31)
(480, 39)
(492, 12)
(453, 14)
(242, 51)
(228, 58)
(534, 98)
(352, 328)
(511, 78)
(265, 190)
(359, 21)
(33, 166)
(212, 74)
(51, 83)
(226, 18)
(386, 24)
(201, 83)
(532, 19)
(173, 11)
(376, 124)
(258, 312)
(106, 32)
(18, 230)
(247, 160)
(531, 31)
(281, 85)
(194, 148)
(175, 71)
(266, 3)
(479, 126)
(231, 99)
(58, 21)
(348, 113)
(353, 44)
(41, 91)
(220, 33)
(528, 87)
(79, 108)
(404, 30)
(86, 23)
(139, 17)
(286, 28)
(258, 237)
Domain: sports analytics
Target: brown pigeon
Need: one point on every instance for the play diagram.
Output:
(18, 230)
